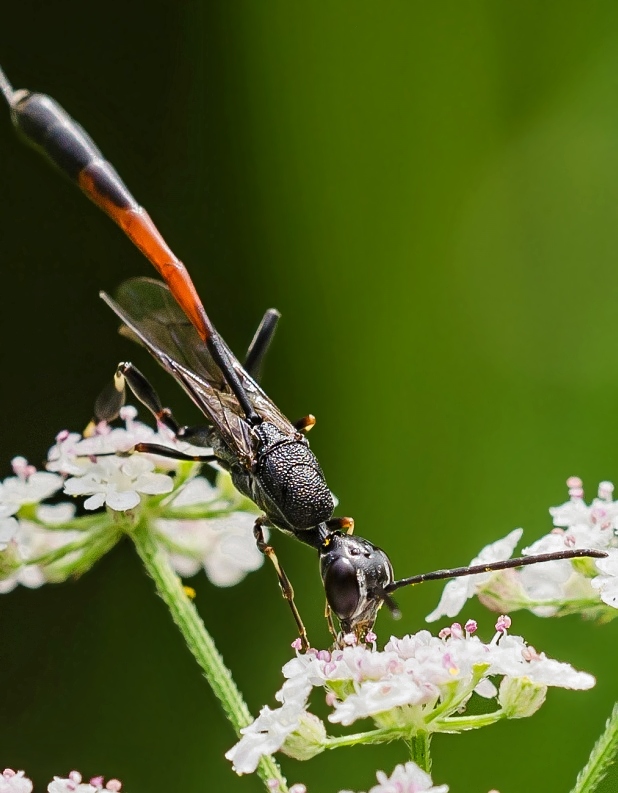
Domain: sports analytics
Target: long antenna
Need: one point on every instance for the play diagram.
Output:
(520, 561)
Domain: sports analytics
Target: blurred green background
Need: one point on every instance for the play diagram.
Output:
(429, 194)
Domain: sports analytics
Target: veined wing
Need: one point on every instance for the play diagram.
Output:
(152, 317)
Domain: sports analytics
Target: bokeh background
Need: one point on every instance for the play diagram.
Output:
(429, 194)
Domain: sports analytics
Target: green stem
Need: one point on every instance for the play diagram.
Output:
(99, 544)
(59, 553)
(460, 723)
(383, 735)
(601, 757)
(199, 641)
(420, 744)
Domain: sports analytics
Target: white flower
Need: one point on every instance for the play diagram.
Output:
(31, 488)
(408, 778)
(512, 657)
(594, 523)
(266, 735)
(224, 546)
(63, 458)
(72, 453)
(457, 591)
(14, 782)
(30, 541)
(419, 681)
(118, 482)
(73, 784)
(607, 583)
(8, 530)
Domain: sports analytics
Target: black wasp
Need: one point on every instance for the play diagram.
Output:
(267, 456)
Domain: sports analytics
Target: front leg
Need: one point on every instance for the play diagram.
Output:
(284, 582)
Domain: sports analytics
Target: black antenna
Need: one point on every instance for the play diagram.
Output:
(520, 561)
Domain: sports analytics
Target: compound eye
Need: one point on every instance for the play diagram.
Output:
(342, 590)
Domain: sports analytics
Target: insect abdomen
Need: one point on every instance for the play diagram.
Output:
(52, 130)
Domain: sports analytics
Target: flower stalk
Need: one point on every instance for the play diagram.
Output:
(198, 640)
(420, 744)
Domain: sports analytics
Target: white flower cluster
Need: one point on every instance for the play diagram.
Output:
(95, 469)
(16, 782)
(417, 683)
(408, 778)
(198, 524)
(556, 588)
(223, 544)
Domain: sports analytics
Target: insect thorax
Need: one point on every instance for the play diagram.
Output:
(288, 483)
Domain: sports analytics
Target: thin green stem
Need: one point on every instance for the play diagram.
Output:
(382, 735)
(420, 745)
(460, 723)
(82, 523)
(101, 542)
(199, 641)
(601, 757)
(59, 553)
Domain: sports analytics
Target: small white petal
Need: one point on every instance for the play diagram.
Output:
(94, 502)
(154, 484)
(120, 501)
(14, 782)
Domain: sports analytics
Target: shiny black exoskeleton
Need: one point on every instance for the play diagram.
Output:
(267, 456)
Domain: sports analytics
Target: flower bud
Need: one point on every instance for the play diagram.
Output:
(307, 740)
(520, 697)
(503, 592)
(10, 560)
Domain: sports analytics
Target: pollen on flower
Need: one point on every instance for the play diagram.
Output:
(450, 665)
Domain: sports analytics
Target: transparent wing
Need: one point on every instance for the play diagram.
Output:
(152, 317)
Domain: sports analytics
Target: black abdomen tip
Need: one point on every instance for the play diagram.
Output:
(51, 129)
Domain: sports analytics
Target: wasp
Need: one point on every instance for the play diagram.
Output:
(267, 456)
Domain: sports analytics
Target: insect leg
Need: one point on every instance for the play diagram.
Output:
(331, 625)
(284, 581)
(261, 342)
(112, 398)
